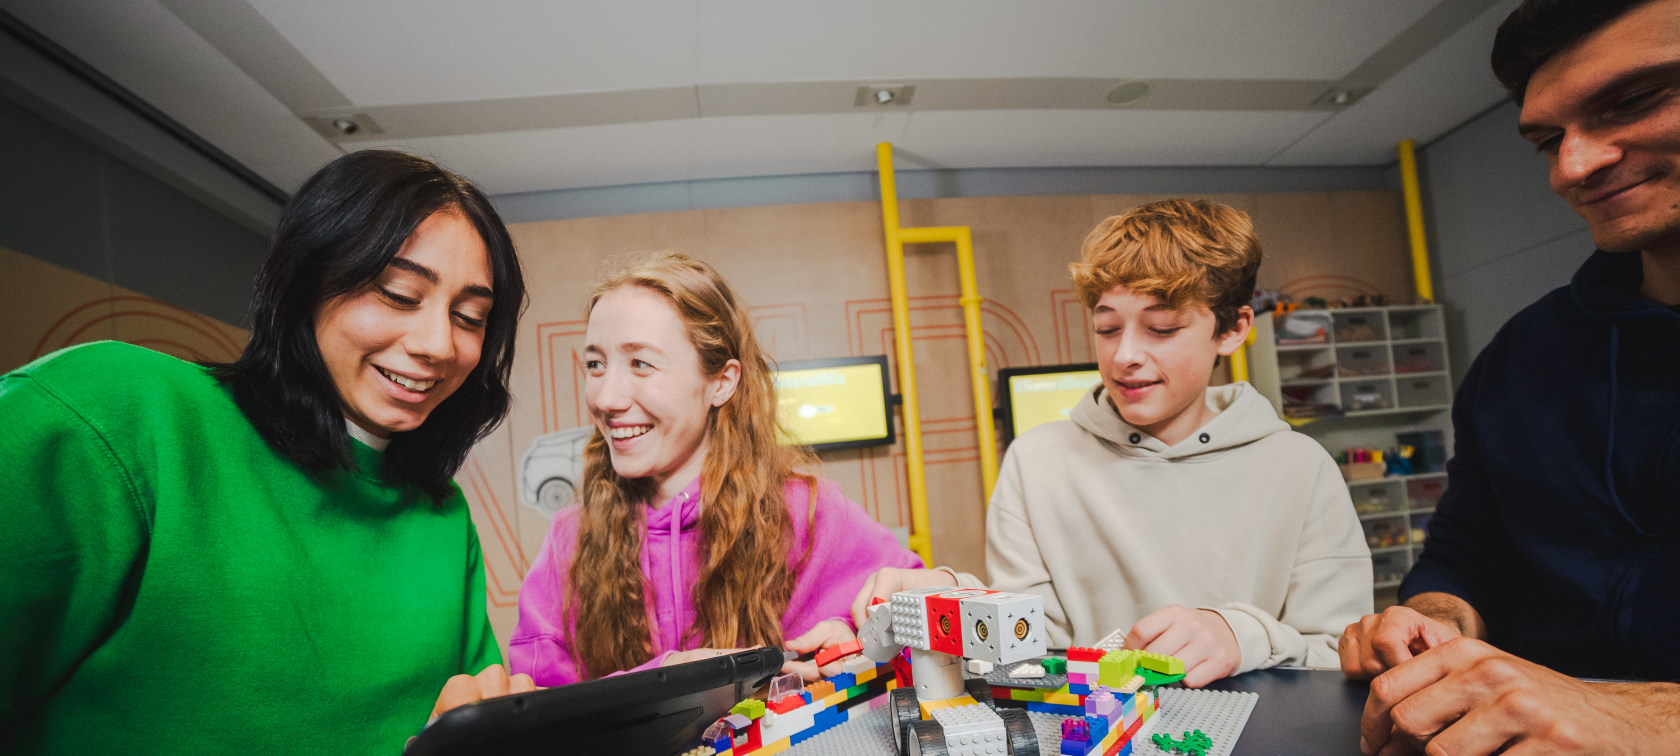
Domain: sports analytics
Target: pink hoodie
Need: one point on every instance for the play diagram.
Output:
(847, 546)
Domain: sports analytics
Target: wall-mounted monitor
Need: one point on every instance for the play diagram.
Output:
(1033, 396)
(839, 403)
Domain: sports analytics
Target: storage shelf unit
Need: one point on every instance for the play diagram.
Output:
(1375, 372)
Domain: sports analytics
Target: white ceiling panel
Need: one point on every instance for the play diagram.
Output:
(526, 161)
(1024, 138)
(779, 145)
(393, 52)
(1437, 92)
(801, 40)
(147, 50)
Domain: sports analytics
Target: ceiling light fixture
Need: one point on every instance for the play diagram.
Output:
(345, 126)
(1341, 97)
(884, 95)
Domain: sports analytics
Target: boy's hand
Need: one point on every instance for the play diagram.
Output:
(492, 682)
(1199, 637)
(825, 634)
(884, 583)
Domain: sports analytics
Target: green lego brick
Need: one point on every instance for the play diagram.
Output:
(1054, 665)
(751, 708)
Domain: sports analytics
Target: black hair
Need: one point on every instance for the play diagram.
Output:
(335, 236)
(1539, 29)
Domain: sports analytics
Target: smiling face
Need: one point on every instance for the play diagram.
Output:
(1155, 360)
(403, 343)
(645, 389)
(1606, 113)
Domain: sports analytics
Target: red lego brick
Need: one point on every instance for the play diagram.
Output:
(835, 653)
(1078, 653)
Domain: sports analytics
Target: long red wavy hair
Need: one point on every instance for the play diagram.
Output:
(745, 581)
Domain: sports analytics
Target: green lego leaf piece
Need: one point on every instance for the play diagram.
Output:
(1054, 665)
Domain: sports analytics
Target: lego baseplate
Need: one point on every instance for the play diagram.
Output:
(1220, 714)
(1000, 676)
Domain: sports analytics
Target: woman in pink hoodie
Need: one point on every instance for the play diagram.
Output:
(696, 532)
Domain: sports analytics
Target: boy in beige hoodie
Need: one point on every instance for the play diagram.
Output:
(1189, 514)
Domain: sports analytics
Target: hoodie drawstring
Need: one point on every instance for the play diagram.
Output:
(1610, 444)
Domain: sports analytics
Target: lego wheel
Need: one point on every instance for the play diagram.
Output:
(905, 710)
(980, 691)
(1023, 739)
(927, 738)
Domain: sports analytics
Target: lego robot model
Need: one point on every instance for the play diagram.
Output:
(941, 714)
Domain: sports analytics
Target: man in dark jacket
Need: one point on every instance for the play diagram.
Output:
(1557, 546)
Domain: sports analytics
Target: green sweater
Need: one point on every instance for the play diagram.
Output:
(171, 584)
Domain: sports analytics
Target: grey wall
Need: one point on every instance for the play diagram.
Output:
(1499, 238)
(74, 205)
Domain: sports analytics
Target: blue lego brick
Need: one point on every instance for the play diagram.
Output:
(1099, 727)
(1125, 750)
(1083, 690)
(1069, 711)
(843, 680)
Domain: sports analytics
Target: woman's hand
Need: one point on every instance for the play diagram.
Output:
(825, 634)
(492, 682)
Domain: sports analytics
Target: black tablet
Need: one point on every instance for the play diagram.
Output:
(657, 711)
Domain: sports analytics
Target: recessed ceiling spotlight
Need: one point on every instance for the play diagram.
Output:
(1341, 97)
(884, 95)
(345, 126)
(1128, 92)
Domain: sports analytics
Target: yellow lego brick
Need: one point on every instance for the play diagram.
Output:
(892, 684)
(1131, 685)
(868, 674)
(928, 707)
(834, 698)
(1166, 665)
(776, 747)
(1062, 698)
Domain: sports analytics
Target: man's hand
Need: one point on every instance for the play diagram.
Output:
(492, 682)
(1379, 642)
(1198, 637)
(884, 583)
(1466, 698)
(824, 634)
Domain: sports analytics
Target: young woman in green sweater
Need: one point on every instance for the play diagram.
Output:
(270, 553)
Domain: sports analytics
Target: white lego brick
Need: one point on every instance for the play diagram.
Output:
(856, 665)
(972, 730)
(1027, 670)
(773, 727)
(1003, 628)
(1112, 642)
(979, 666)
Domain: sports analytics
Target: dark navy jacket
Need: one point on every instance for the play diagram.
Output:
(1561, 521)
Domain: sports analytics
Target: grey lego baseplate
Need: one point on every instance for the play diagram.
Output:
(1221, 714)
(1000, 676)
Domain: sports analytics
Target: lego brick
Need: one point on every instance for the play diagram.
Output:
(774, 727)
(774, 748)
(785, 704)
(751, 708)
(834, 698)
(1003, 628)
(1132, 685)
(1166, 665)
(1049, 708)
(1083, 690)
(980, 666)
(1064, 698)
(835, 653)
(1020, 694)
(1025, 671)
(1116, 667)
(858, 665)
(820, 689)
(1081, 653)
(972, 730)
(843, 680)
(945, 624)
(1054, 665)
(928, 707)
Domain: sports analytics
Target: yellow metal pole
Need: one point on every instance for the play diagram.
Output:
(1239, 359)
(977, 364)
(919, 540)
(1414, 222)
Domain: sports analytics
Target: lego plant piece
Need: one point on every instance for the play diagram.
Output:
(1054, 665)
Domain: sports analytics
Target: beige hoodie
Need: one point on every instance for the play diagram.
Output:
(1245, 517)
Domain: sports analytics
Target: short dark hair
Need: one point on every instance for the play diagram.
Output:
(335, 236)
(1539, 29)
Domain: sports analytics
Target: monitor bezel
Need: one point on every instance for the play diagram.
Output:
(887, 399)
(1006, 404)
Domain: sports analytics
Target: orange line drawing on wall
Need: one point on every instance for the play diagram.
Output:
(71, 328)
(1329, 286)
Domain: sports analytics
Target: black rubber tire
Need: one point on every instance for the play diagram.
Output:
(1023, 739)
(905, 710)
(930, 738)
(980, 691)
